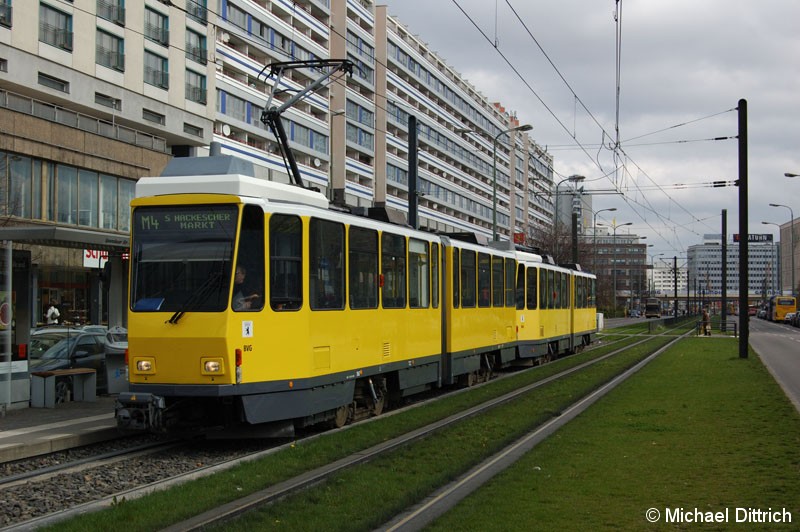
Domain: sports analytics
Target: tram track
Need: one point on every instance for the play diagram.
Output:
(35, 498)
(140, 486)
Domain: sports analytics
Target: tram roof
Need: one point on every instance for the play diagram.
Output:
(236, 184)
(65, 237)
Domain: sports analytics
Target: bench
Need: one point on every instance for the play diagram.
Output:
(43, 386)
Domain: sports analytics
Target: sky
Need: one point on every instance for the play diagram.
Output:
(683, 67)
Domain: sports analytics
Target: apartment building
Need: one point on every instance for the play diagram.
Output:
(351, 136)
(97, 93)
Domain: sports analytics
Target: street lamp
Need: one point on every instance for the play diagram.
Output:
(526, 127)
(614, 261)
(791, 238)
(594, 231)
(780, 271)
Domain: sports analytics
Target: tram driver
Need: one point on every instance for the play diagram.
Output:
(241, 301)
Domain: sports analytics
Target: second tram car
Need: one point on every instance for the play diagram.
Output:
(253, 303)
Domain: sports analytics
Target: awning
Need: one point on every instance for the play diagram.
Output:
(65, 237)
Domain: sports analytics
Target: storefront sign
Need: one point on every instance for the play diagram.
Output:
(94, 259)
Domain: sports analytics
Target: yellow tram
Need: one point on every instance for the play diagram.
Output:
(254, 303)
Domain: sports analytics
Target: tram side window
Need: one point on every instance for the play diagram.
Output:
(249, 293)
(511, 266)
(565, 290)
(532, 288)
(418, 274)
(557, 293)
(584, 292)
(520, 286)
(363, 268)
(484, 280)
(467, 278)
(498, 276)
(543, 289)
(435, 275)
(326, 265)
(393, 268)
(570, 289)
(592, 293)
(456, 278)
(579, 282)
(286, 262)
(552, 289)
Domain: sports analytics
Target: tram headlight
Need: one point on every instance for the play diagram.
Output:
(213, 366)
(145, 365)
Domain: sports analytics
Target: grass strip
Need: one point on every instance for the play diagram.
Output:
(163, 508)
(367, 496)
(698, 428)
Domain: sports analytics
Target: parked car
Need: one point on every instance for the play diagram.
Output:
(635, 314)
(65, 348)
(789, 317)
(762, 313)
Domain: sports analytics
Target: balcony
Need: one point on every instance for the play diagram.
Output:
(59, 37)
(112, 11)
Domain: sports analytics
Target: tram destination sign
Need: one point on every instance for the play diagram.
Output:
(753, 238)
(195, 218)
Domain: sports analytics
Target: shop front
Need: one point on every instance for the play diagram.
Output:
(44, 266)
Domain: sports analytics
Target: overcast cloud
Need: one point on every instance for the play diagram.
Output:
(682, 61)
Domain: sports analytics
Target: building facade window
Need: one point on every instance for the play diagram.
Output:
(110, 51)
(195, 87)
(113, 10)
(156, 26)
(192, 130)
(152, 116)
(108, 101)
(196, 9)
(55, 27)
(156, 70)
(196, 48)
(6, 12)
(53, 82)
(37, 189)
(19, 184)
(360, 137)
(236, 16)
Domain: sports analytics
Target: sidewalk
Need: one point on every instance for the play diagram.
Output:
(28, 432)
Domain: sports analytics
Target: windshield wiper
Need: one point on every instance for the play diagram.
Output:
(214, 279)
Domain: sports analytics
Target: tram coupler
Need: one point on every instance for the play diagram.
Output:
(139, 411)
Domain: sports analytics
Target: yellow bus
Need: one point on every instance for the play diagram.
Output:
(779, 306)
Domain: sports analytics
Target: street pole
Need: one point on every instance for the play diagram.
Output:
(614, 265)
(413, 195)
(675, 283)
(724, 269)
(594, 231)
(744, 319)
(526, 127)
